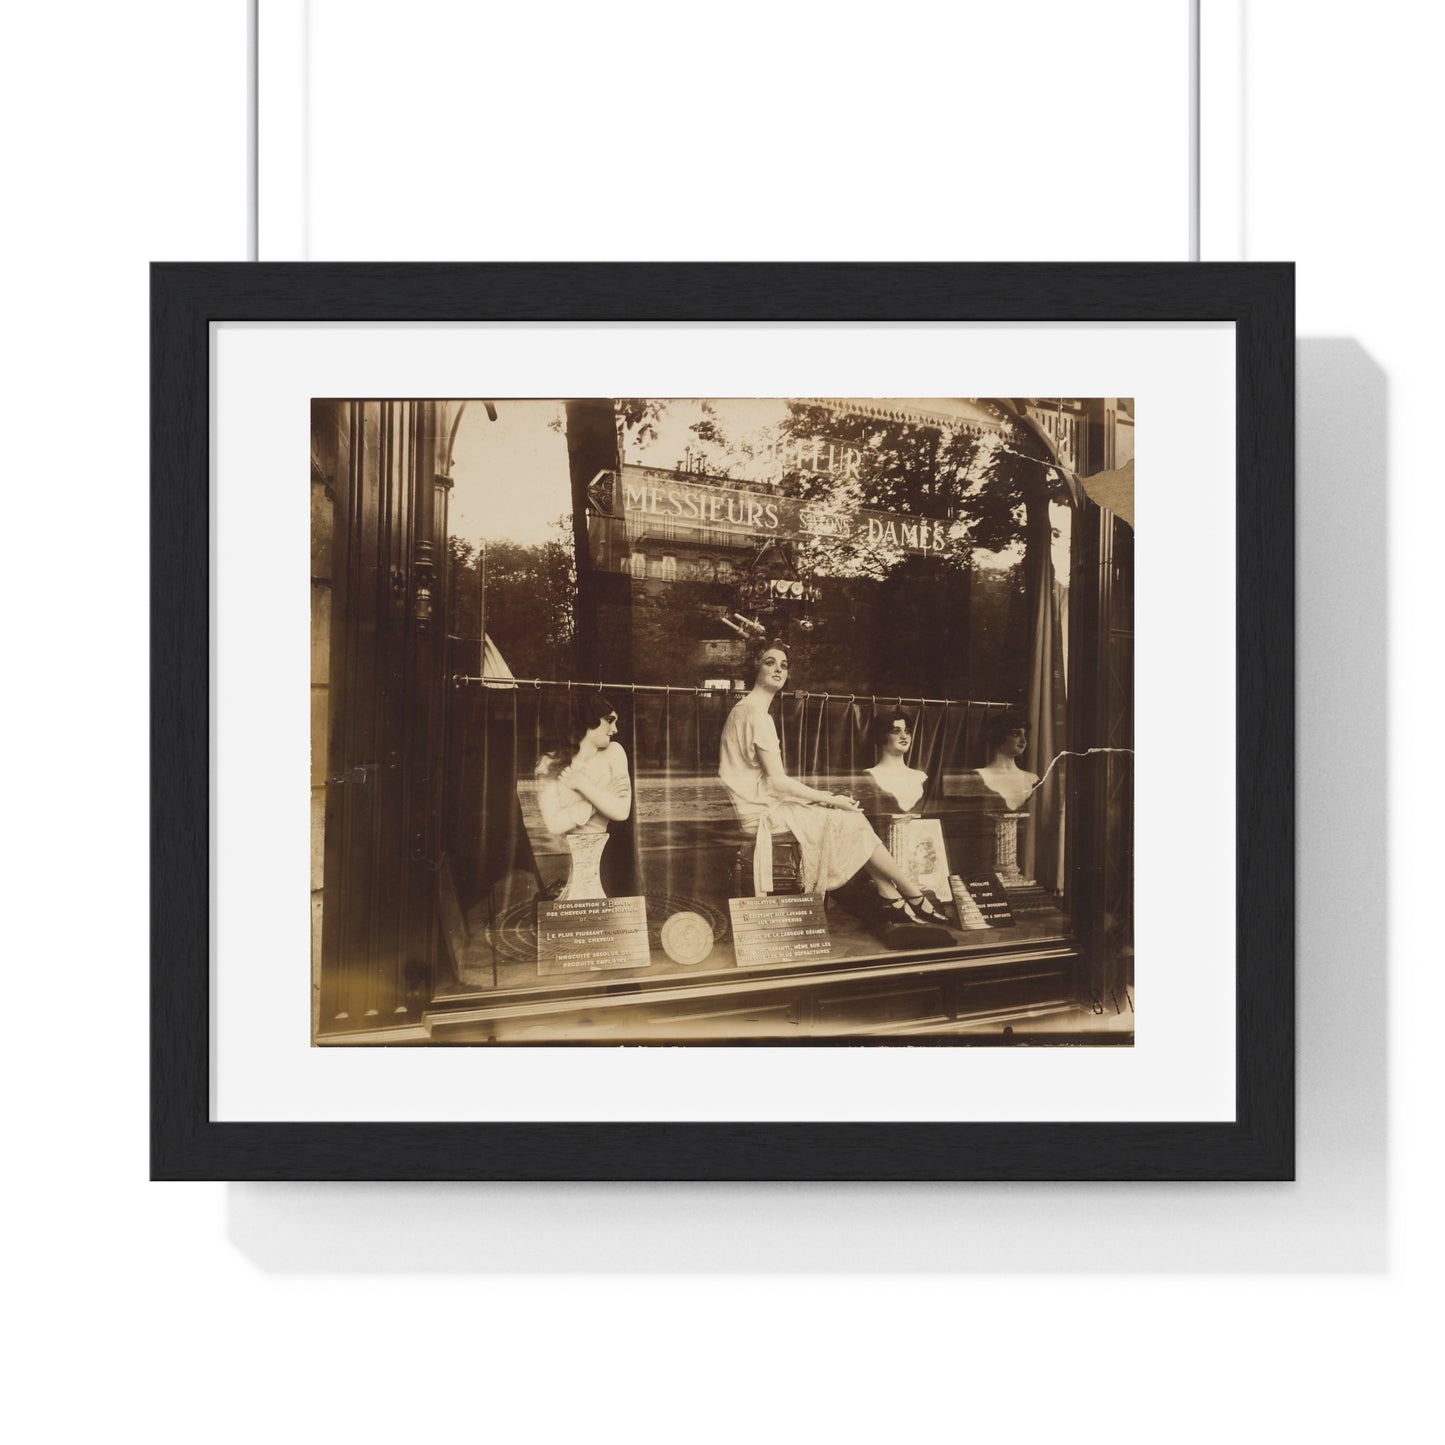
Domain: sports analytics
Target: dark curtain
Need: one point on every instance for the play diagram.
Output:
(679, 845)
(1040, 839)
(486, 838)
(825, 743)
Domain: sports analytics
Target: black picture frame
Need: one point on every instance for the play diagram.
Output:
(188, 298)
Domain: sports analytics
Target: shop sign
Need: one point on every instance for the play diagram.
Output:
(818, 455)
(991, 897)
(789, 928)
(582, 935)
(813, 456)
(690, 506)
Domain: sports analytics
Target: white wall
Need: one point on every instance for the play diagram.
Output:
(1177, 1312)
(750, 130)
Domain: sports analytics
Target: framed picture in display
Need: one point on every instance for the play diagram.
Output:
(713, 745)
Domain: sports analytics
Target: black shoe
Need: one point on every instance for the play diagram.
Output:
(926, 909)
(900, 927)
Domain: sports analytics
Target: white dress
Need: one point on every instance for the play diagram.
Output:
(834, 844)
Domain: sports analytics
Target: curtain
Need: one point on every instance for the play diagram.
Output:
(681, 840)
(1041, 843)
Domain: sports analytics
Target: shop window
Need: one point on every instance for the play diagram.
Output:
(884, 619)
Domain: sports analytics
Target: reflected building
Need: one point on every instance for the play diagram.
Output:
(942, 553)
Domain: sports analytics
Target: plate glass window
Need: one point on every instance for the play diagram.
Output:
(679, 719)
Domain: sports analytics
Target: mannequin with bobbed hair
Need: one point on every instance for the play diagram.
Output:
(583, 782)
(900, 787)
(1006, 739)
(834, 838)
(757, 650)
(583, 785)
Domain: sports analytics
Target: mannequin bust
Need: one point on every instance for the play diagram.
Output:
(1007, 738)
(892, 735)
(582, 785)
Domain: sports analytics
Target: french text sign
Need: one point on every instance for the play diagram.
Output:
(583, 935)
(788, 929)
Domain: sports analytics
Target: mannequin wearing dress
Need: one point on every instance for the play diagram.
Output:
(834, 838)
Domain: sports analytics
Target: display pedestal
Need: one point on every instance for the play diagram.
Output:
(585, 879)
(1006, 851)
(897, 834)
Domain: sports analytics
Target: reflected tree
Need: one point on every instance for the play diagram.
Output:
(523, 596)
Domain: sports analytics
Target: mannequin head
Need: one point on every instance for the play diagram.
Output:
(1006, 735)
(591, 718)
(891, 735)
(768, 663)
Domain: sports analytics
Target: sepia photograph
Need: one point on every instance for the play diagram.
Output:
(718, 712)
(722, 720)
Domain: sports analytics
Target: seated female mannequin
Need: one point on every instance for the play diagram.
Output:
(583, 785)
(834, 838)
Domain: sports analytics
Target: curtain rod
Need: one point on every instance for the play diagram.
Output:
(514, 684)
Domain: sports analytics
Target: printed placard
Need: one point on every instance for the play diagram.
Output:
(780, 931)
(585, 935)
(992, 900)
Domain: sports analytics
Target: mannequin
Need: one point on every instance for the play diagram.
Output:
(835, 839)
(1007, 738)
(892, 735)
(582, 786)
